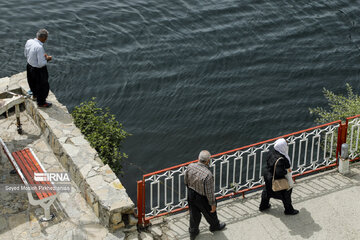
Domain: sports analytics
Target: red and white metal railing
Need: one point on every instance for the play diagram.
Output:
(353, 131)
(239, 170)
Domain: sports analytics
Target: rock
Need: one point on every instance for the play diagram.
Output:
(79, 140)
(116, 218)
(94, 231)
(119, 235)
(71, 149)
(156, 230)
(2, 224)
(146, 236)
(133, 236)
(117, 184)
(130, 229)
(35, 234)
(132, 220)
(117, 226)
(96, 209)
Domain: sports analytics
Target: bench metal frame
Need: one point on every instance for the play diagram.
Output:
(45, 203)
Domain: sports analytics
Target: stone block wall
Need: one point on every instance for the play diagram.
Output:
(98, 184)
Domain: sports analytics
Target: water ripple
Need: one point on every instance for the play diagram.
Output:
(186, 75)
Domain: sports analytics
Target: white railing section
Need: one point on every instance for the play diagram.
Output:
(307, 151)
(242, 168)
(353, 138)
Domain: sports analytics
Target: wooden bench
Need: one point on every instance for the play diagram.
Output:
(26, 164)
(7, 103)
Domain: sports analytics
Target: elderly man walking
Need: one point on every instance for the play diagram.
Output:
(201, 198)
(36, 69)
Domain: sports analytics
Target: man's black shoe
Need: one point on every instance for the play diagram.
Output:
(219, 228)
(293, 212)
(261, 208)
(45, 105)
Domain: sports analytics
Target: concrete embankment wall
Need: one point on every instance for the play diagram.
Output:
(98, 184)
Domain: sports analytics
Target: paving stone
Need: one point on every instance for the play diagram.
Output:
(84, 171)
(71, 149)
(116, 184)
(129, 229)
(7, 235)
(119, 235)
(4, 83)
(96, 182)
(3, 224)
(22, 235)
(35, 234)
(17, 219)
(79, 140)
(156, 230)
(88, 219)
(146, 236)
(132, 236)
(94, 231)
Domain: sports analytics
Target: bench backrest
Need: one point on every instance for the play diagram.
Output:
(13, 162)
(26, 165)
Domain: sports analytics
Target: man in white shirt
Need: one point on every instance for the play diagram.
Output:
(36, 69)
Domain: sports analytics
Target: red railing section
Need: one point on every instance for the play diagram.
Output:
(342, 134)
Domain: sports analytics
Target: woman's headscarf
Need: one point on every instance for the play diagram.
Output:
(282, 147)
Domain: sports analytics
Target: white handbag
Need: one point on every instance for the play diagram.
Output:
(290, 180)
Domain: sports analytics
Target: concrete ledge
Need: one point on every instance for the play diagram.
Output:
(99, 185)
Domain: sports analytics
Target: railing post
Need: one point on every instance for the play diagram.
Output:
(140, 198)
(344, 159)
(141, 204)
(342, 132)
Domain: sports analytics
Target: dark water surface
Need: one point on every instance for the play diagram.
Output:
(189, 75)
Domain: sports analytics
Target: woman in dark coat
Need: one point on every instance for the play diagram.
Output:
(283, 166)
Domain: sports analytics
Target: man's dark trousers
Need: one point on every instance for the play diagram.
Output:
(199, 204)
(38, 82)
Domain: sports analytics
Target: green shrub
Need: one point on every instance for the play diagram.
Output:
(103, 132)
(341, 107)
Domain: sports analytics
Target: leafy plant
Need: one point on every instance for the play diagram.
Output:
(103, 132)
(341, 107)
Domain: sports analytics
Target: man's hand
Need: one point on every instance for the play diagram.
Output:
(48, 58)
(213, 208)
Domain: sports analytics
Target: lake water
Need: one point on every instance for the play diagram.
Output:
(185, 75)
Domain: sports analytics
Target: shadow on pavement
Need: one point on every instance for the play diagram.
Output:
(216, 235)
(302, 224)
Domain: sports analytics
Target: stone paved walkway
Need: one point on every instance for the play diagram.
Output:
(329, 209)
(18, 219)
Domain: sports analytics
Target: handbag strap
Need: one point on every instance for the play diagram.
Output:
(275, 167)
